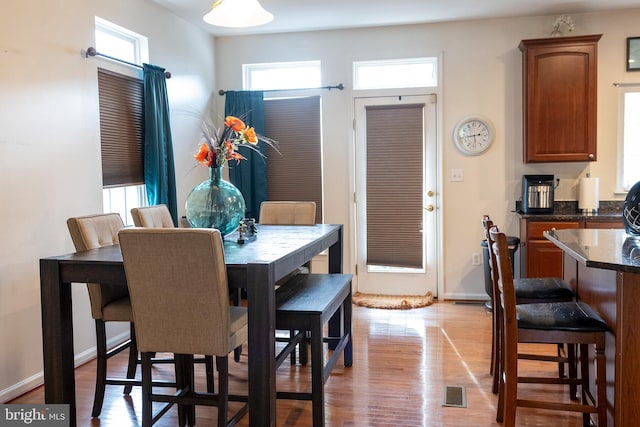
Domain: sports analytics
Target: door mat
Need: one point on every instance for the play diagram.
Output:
(454, 396)
(403, 302)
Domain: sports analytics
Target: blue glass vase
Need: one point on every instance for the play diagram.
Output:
(215, 203)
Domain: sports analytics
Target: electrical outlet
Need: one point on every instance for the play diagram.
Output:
(456, 175)
(475, 258)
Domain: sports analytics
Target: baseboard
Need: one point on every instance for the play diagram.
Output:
(37, 379)
(466, 297)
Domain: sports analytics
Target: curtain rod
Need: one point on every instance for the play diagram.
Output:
(91, 51)
(339, 86)
(626, 84)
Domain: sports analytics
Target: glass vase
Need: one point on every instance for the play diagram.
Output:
(215, 203)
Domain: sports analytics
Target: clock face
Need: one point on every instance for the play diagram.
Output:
(473, 135)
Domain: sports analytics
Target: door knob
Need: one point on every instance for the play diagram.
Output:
(430, 193)
(429, 208)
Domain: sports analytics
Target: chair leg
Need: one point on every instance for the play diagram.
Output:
(101, 368)
(223, 390)
(208, 361)
(601, 381)
(133, 357)
(572, 359)
(147, 409)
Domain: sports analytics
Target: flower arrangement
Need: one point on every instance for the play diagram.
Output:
(560, 21)
(219, 146)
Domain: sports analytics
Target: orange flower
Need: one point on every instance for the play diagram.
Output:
(249, 135)
(234, 123)
(237, 156)
(204, 155)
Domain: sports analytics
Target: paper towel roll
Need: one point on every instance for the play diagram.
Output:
(588, 195)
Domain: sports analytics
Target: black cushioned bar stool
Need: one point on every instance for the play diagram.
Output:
(527, 291)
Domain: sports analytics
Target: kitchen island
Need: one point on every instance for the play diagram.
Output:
(603, 266)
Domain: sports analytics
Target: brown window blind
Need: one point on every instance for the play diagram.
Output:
(296, 173)
(121, 128)
(394, 185)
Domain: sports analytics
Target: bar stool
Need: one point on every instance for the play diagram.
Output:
(527, 291)
(574, 323)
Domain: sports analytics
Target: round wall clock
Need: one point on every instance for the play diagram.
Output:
(473, 135)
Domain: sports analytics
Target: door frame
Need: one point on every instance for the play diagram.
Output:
(438, 202)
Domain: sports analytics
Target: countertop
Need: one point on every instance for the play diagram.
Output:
(607, 249)
(568, 211)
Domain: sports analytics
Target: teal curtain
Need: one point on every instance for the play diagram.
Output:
(250, 176)
(159, 168)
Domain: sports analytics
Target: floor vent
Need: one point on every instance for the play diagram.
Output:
(454, 396)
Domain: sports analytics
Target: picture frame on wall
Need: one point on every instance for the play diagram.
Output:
(633, 54)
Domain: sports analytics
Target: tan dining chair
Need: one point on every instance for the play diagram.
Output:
(527, 290)
(573, 323)
(158, 216)
(287, 213)
(177, 281)
(152, 216)
(290, 213)
(109, 303)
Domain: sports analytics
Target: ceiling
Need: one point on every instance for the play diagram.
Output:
(307, 15)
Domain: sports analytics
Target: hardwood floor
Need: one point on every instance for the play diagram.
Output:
(402, 361)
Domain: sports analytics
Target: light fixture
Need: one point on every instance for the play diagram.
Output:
(237, 14)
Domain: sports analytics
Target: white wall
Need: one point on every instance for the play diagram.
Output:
(49, 140)
(481, 75)
(50, 149)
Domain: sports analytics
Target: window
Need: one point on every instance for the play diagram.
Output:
(629, 137)
(281, 75)
(296, 172)
(300, 146)
(121, 119)
(395, 73)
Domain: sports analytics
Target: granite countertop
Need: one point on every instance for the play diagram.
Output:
(568, 211)
(599, 248)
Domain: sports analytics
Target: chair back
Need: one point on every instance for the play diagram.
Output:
(288, 213)
(177, 281)
(94, 231)
(157, 216)
(506, 291)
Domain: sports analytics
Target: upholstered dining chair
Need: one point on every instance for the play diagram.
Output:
(527, 290)
(574, 323)
(108, 303)
(287, 213)
(158, 216)
(290, 213)
(152, 216)
(177, 281)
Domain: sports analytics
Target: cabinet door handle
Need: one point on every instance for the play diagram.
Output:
(591, 156)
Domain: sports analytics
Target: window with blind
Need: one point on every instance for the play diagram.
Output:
(394, 185)
(121, 128)
(296, 172)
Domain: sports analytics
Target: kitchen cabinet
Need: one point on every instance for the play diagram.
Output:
(559, 78)
(541, 258)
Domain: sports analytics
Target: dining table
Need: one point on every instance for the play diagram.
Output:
(254, 265)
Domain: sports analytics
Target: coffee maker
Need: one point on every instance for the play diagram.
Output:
(537, 194)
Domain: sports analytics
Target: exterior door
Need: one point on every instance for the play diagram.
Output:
(396, 181)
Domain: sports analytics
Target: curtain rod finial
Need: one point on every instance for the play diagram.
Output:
(91, 51)
(221, 92)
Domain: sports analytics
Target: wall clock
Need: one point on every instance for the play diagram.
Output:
(473, 135)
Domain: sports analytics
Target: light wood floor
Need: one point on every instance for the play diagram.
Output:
(402, 361)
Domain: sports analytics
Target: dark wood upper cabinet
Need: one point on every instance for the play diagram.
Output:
(559, 98)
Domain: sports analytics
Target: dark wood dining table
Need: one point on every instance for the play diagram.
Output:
(254, 266)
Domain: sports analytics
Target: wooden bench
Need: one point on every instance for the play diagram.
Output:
(305, 304)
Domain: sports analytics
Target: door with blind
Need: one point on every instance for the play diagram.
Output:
(396, 177)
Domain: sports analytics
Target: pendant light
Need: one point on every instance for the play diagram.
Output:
(237, 14)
